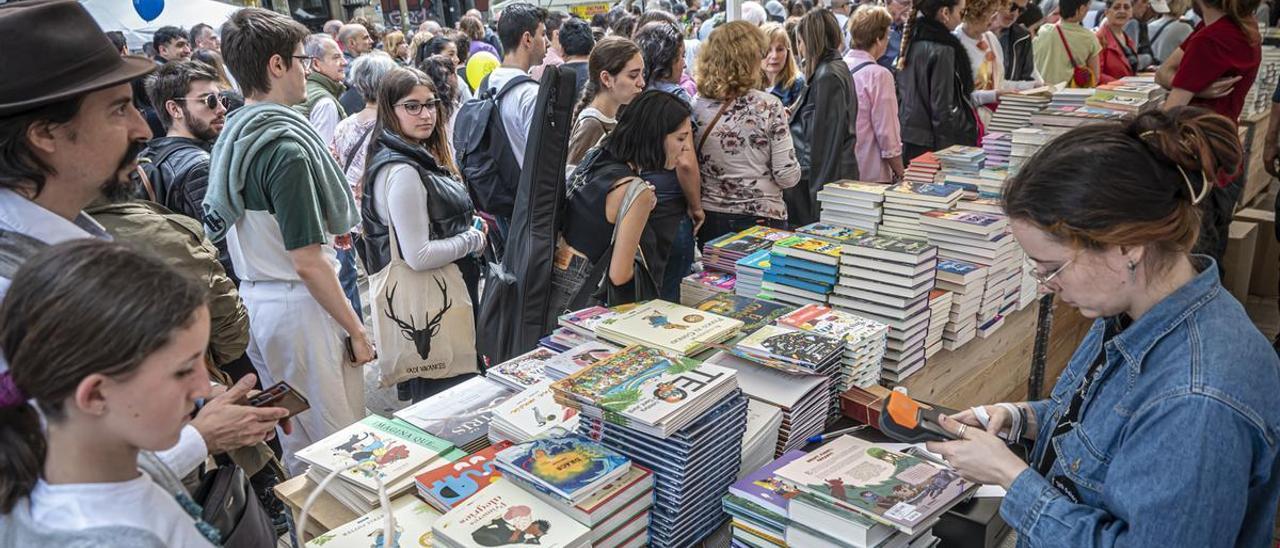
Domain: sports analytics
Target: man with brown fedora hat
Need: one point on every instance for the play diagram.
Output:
(69, 134)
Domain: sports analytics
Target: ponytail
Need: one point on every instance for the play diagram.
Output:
(906, 36)
(610, 55)
(22, 452)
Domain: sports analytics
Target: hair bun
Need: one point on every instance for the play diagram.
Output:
(1194, 139)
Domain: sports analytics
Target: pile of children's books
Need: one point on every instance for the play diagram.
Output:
(522, 371)
(723, 252)
(532, 414)
(864, 340)
(888, 279)
(805, 399)
(413, 520)
(503, 514)
(759, 505)
(853, 204)
(667, 326)
(753, 313)
(802, 270)
(795, 350)
(699, 286)
(444, 487)
(966, 282)
(372, 450)
(751, 271)
(461, 414)
(904, 202)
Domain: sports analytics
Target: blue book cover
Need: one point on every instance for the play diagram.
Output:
(929, 190)
(570, 466)
(797, 283)
(758, 260)
(805, 275)
(801, 264)
(959, 268)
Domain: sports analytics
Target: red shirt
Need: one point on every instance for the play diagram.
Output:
(1217, 51)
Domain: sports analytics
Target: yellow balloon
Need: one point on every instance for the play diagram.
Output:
(480, 65)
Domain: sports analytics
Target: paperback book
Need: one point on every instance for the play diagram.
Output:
(444, 487)
(570, 468)
(503, 514)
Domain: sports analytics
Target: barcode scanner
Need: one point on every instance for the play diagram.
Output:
(909, 421)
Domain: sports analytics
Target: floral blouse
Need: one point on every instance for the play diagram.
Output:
(748, 158)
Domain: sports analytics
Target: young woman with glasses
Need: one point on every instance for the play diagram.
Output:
(1162, 430)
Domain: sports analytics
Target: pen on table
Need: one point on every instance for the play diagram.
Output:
(829, 435)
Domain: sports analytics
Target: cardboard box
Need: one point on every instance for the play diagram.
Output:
(1265, 279)
(1238, 261)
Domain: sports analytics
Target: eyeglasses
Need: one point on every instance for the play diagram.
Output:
(1044, 279)
(306, 60)
(414, 108)
(210, 100)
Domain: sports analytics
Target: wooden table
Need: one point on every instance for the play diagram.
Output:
(327, 513)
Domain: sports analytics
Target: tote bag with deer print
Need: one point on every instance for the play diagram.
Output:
(422, 321)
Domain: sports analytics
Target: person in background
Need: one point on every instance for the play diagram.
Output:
(986, 57)
(431, 27)
(842, 9)
(1015, 42)
(1052, 41)
(214, 60)
(555, 54)
(490, 36)
(935, 81)
(351, 137)
(112, 373)
(1119, 54)
(413, 189)
(776, 11)
(624, 25)
(575, 43)
(651, 136)
(118, 41)
(171, 44)
(1172, 381)
(824, 119)
(1144, 11)
(419, 40)
(204, 37)
(599, 26)
(899, 10)
(616, 72)
(356, 40)
(781, 74)
(393, 43)
(753, 12)
(474, 29)
(280, 210)
(746, 156)
(878, 146)
(462, 45)
(193, 113)
(1170, 30)
(449, 90)
(324, 85)
(332, 27)
(441, 45)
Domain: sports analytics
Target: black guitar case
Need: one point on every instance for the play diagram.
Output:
(513, 308)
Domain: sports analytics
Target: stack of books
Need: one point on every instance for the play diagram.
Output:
(699, 286)
(1015, 109)
(966, 282)
(692, 468)
(583, 322)
(1013, 281)
(504, 514)
(761, 439)
(864, 340)
(922, 169)
(1111, 100)
(646, 390)
(461, 414)
(372, 450)
(842, 501)
(445, 487)
(1026, 142)
(802, 270)
(997, 146)
(939, 312)
(805, 399)
(667, 326)
(961, 159)
(982, 239)
(753, 313)
(596, 486)
(888, 279)
(522, 371)
(832, 233)
(903, 204)
(1069, 97)
(1137, 87)
(852, 204)
(570, 361)
(795, 350)
(1029, 289)
(562, 339)
(991, 184)
(758, 504)
(530, 415)
(413, 520)
(1067, 117)
(751, 271)
(722, 253)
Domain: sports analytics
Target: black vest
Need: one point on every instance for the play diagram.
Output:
(448, 204)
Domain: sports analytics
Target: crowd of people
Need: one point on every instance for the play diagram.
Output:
(259, 203)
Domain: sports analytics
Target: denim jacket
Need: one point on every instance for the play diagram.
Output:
(1177, 439)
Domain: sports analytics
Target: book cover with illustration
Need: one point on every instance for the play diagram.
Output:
(713, 279)
(379, 447)
(669, 326)
(503, 514)
(751, 239)
(522, 371)
(981, 223)
(584, 321)
(758, 260)
(535, 412)
(802, 347)
(459, 415)
(643, 384)
(828, 321)
(808, 247)
(832, 233)
(570, 467)
(895, 245)
(447, 486)
(577, 357)
(874, 191)
(890, 487)
(413, 521)
(925, 192)
(753, 313)
(762, 488)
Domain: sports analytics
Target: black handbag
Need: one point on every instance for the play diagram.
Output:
(642, 286)
(229, 503)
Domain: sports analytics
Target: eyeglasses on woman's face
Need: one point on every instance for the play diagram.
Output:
(415, 108)
(1043, 278)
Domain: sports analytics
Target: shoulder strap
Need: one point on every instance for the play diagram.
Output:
(1070, 56)
(512, 85)
(635, 186)
(351, 153)
(723, 107)
(144, 179)
(861, 66)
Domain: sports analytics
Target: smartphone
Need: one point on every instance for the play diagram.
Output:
(281, 395)
(351, 349)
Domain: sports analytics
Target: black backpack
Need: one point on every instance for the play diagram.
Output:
(488, 164)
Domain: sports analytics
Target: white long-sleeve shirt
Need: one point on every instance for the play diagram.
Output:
(401, 199)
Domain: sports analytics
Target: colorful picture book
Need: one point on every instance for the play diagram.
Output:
(378, 447)
(570, 467)
(577, 357)
(671, 327)
(532, 414)
(413, 521)
(503, 514)
(753, 313)
(447, 486)
(522, 371)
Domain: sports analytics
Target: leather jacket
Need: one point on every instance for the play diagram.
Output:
(823, 131)
(448, 203)
(182, 165)
(1019, 62)
(933, 101)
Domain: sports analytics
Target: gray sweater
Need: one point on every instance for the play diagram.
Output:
(18, 529)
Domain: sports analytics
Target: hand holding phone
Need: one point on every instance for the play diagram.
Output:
(281, 395)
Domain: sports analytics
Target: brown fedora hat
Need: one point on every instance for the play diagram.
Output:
(55, 51)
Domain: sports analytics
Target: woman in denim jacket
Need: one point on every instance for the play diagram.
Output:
(1163, 429)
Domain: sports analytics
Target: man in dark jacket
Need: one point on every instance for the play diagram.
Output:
(1015, 40)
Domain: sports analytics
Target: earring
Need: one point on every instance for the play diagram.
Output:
(1133, 271)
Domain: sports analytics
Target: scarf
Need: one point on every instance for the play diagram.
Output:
(930, 30)
(320, 87)
(252, 129)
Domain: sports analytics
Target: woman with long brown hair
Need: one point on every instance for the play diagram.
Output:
(615, 76)
(412, 189)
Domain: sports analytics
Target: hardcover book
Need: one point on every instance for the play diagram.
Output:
(533, 413)
(925, 192)
(380, 448)
(459, 415)
(753, 313)
(503, 514)
(668, 326)
(762, 488)
(801, 347)
(413, 521)
(570, 467)
(522, 371)
(446, 486)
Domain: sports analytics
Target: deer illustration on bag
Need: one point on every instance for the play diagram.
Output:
(421, 338)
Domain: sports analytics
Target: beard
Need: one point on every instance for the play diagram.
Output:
(120, 186)
(204, 131)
